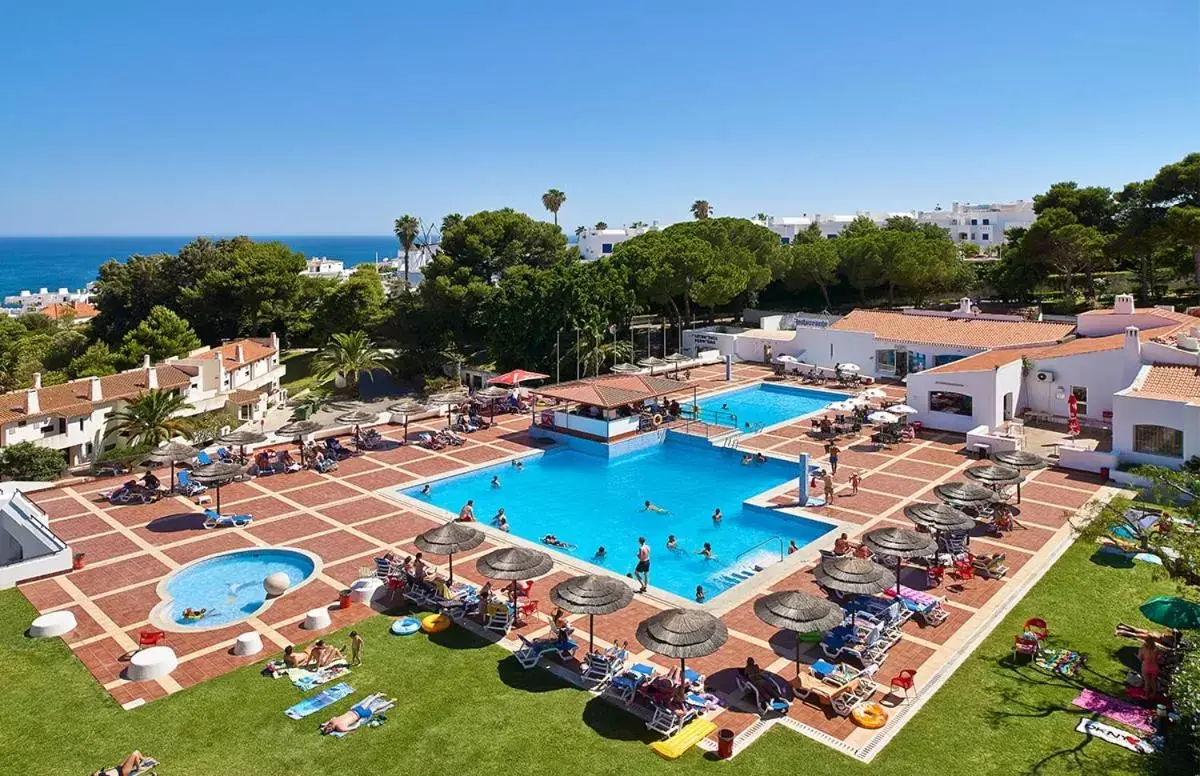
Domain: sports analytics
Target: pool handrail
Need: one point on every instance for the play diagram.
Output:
(782, 548)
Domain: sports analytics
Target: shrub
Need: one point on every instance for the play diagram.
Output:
(27, 461)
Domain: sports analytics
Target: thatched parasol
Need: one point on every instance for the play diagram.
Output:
(625, 369)
(591, 594)
(799, 613)
(357, 417)
(407, 408)
(514, 563)
(996, 477)
(172, 453)
(851, 575)
(448, 539)
(682, 633)
(964, 494)
(450, 398)
(939, 517)
(217, 474)
(242, 438)
(900, 543)
(299, 428)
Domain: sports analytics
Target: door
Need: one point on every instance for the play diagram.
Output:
(901, 363)
(1080, 395)
(1008, 406)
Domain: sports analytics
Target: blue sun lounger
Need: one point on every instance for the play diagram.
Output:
(531, 652)
(214, 520)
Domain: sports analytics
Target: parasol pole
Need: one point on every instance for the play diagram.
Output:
(451, 568)
(591, 633)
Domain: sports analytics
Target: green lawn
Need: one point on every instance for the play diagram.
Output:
(465, 708)
(299, 375)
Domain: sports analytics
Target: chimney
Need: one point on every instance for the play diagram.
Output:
(95, 392)
(1123, 305)
(1132, 345)
(146, 361)
(37, 379)
(240, 353)
(32, 405)
(151, 377)
(275, 342)
(964, 306)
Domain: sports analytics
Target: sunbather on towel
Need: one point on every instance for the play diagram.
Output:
(129, 766)
(323, 654)
(360, 713)
(294, 658)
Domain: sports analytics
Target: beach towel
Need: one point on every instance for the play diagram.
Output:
(319, 701)
(1114, 736)
(1115, 709)
(307, 680)
(1059, 661)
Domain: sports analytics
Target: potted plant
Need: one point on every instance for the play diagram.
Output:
(77, 561)
(344, 599)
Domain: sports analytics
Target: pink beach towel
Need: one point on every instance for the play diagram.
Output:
(1115, 709)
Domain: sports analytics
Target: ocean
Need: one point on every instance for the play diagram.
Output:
(72, 262)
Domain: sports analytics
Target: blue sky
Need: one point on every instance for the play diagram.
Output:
(307, 117)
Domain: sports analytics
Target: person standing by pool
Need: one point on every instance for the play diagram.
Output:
(467, 513)
(641, 572)
(833, 458)
(828, 480)
(717, 516)
(356, 647)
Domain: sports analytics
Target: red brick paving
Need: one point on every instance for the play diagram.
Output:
(86, 626)
(314, 595)
(44, 594)
(403, 455)
(103, 659)
(219, 540)
(72, 528)
(476, 454)
(382, 478)
(896, 486)
(112, 545)
(428, 467)
(356, 465)
(942, 456)
(281, 482)
(1064, 497)
(261, 507)
(130, 606)
(923, 471)
(390, 530)
(1042, 514)
(335, 546)
(323, 493)
(1069, 479)
(285, 530)
(360, 509)
(95, 580)
(60, 507)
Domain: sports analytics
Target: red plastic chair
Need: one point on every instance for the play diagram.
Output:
(964, 570)
(1025, 646)
(1037, 626)
(903, 680)
(934, 575)
(150, 638)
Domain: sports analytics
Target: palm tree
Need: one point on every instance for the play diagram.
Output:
(761, 217)
(552, 200)
(151, 418)
(579, 230)
(638, 225)
(349, 354)
(701, 209)
(596, 350)
(407, 228)
(601, 225)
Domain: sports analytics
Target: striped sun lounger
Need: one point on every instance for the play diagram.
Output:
(927, 607)
(319, 701)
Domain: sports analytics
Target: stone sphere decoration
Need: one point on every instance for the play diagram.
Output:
(276, 584)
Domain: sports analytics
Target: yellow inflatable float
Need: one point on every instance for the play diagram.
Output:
(869, 715)
(435, 623)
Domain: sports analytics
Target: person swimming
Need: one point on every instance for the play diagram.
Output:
(699, 594)
(747, 459)
(553, 541)
(496, 481)
(671, 543)
(717, 516)
(194, 614)
(425, 490)
(651, 507)
(707, 552)
(601, 553)
(518, 465)
(501, 520)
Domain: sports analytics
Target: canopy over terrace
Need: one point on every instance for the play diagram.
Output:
(606, 406)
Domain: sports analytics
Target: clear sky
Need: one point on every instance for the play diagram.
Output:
(318, 117)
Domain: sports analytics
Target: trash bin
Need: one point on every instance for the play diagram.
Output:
(725, 743)
(1104, 473)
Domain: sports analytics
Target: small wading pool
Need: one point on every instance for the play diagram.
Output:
(229, 586)
(590, 501)
(767, 404)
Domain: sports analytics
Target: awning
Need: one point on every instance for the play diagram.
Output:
(611, 391)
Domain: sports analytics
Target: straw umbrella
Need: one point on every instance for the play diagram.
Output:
(492, 393)
(447, 539)
(299, 429)
(407, 408)
(962, 494)
(1022, 460)
(625, 369)
(676, 359)
(514, 563)
(241, 439)
(939, 517)
(450, 398)
(682, 633)
(900, 543)
(172, 453)
(852, 575)
(996, 477)
(651, 362)
(357, 417)
(217, 473)
(799, 613)
(591, 594)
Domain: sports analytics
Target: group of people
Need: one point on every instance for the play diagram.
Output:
(269, 460)
(322, 655)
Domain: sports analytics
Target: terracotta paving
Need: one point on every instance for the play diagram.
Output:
(339, 518)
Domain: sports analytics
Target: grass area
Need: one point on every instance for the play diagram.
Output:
(299, 375)
(467, 708)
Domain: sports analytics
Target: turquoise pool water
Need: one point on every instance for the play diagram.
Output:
(768, 404)
(591, 501)
(230, 586)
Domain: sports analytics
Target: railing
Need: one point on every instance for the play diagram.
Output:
(23, 507)
(782, 548)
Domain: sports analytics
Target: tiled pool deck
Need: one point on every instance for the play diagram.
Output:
(342, 518)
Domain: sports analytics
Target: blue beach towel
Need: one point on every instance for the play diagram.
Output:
(319, 701)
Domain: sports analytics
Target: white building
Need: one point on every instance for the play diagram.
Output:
(1133, 370)
(324, 267)
(241, 377)
(594, 243)
(983, 225)
(30, 302)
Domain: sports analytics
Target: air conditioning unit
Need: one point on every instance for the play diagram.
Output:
(1045, 377)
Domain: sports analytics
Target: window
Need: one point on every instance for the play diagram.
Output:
(606, 247)
(962, 235)
(885, 361)
(946, 359)
(972, 235)
(1158, 440)
(951, 403)
(987, 222)
(1080, 395)
(916, 361)
(984, 236)
(974, 222)
(830, 236)
(784, 240)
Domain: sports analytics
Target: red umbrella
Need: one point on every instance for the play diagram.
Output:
(516, 377)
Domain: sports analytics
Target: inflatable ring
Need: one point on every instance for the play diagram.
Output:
(406, 626)
(656, 420)
(869, 715)
(435, 623)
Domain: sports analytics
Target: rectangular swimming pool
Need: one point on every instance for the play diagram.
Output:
(765, 404)
(591, 501)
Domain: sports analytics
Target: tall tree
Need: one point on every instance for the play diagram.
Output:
(813, 263)
(1175, 192)
(601, 226)
(862, 261)
(163, 334)
(1092, 206)
(151, 418)
(860, 226)
(355, 303)
(552, 200)
(579, 230)
(349, 354)
(701, 209)
(406, 229)
(488, 242)
(450, 221)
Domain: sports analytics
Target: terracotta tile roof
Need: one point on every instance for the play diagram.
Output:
(252, 350)
(980, 362)
(71, 399)
(79, 310)
(1171, 381)
(1168, 316)
(242, 397)
(609, 391)
(960, 332)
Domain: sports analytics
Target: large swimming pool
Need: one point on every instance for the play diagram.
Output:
(229, 586)
(591, 501)
(765, 404)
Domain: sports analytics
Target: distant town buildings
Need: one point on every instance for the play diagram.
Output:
(30, 302)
